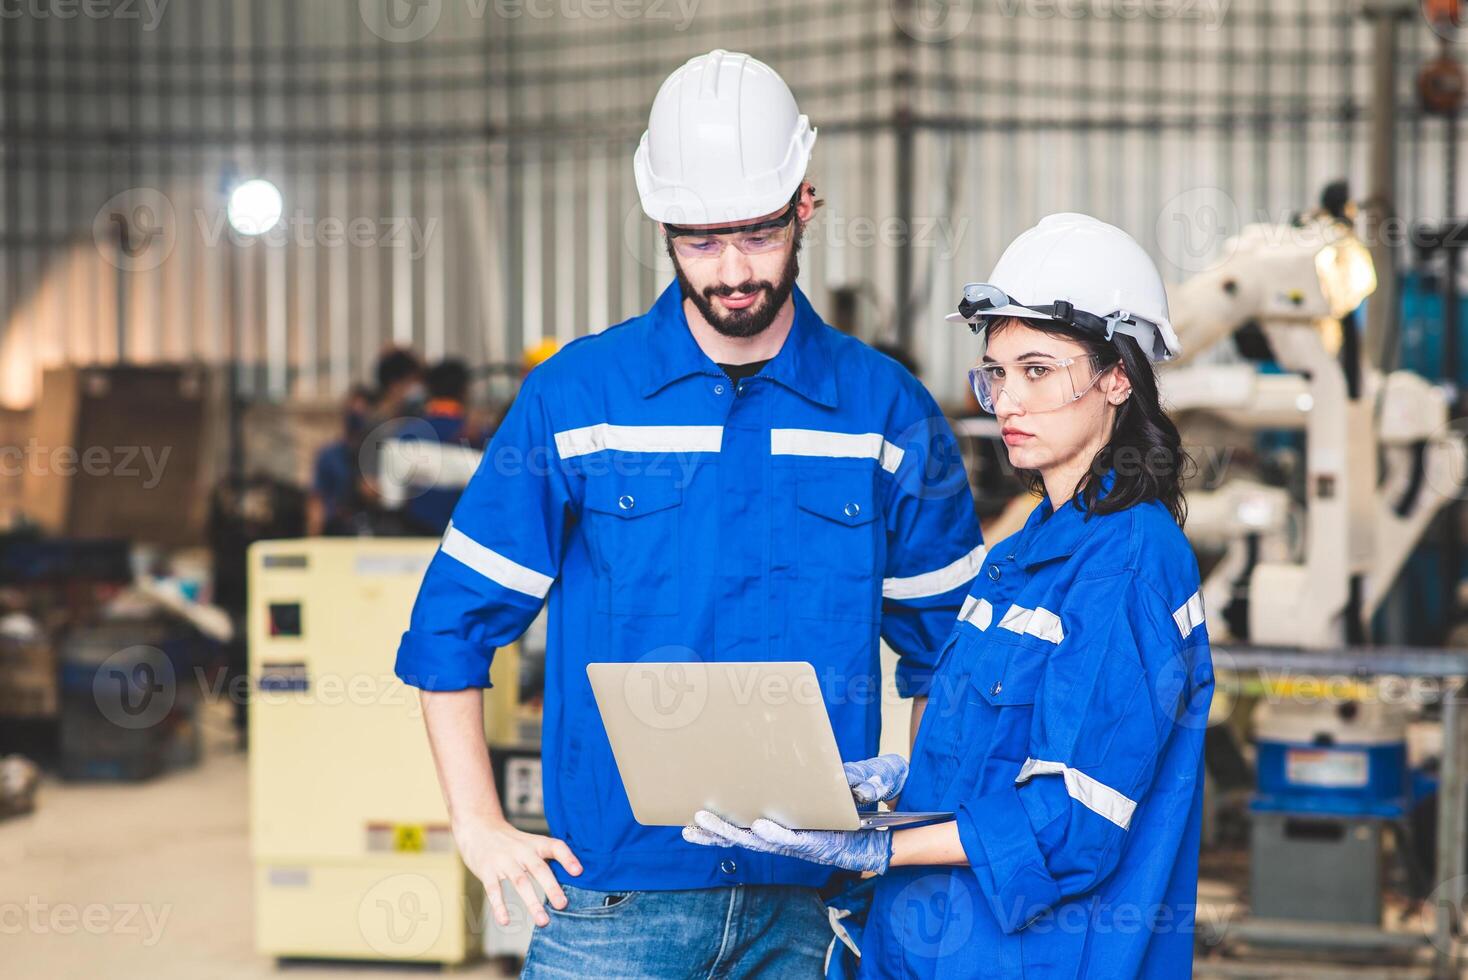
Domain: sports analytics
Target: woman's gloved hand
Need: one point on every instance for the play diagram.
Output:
(876, 779)
(853, 850)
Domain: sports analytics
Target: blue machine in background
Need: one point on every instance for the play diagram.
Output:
(1418, 613)
(1422, 347)
(1332, 779)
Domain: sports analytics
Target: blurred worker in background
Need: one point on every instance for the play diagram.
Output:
(397, 402)
(447, 408)
(446, 421)
(400, 389)
(725, 478)
(333, 503)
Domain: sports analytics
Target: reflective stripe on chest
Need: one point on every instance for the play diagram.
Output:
(1038, 622)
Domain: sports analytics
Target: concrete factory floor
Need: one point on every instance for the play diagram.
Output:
(145, 880)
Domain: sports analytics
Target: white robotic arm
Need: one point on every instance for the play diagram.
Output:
(1296, 283)
(1273, 274)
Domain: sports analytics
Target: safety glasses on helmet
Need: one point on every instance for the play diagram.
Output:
(982, 302)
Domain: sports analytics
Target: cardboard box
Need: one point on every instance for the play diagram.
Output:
(115, 452)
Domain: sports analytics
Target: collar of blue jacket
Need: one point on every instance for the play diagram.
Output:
(1063, 530)
(805, 363)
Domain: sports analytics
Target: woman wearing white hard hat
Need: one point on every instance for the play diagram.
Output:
(1065, 725)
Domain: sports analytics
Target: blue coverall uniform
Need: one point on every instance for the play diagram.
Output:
(667, 513)
(1065, 729)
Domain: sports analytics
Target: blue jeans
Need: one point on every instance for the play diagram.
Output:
(772, 932)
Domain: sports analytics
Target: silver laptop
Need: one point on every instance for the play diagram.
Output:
(744, 740)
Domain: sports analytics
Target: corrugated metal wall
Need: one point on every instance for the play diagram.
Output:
(457, 172)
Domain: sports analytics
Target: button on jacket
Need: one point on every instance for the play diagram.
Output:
(1065, 730)
(667, 513)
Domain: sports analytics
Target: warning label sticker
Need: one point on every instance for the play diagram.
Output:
(1327, 768)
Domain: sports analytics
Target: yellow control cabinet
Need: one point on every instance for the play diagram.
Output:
(351, 842)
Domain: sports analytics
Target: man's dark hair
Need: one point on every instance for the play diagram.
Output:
(398, 364)
(448, 378)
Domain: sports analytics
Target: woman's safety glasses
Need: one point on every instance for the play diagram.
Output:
(709, 243)
(1034, 384)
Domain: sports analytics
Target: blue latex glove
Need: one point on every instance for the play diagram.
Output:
(853, 850)
(876, 779)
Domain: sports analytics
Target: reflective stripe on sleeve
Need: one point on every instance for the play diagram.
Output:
(936, 582)
(1189, 615)
(493, 565)
(1089, 793)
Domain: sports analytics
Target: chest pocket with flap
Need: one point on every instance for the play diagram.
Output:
(1003, 685)
(838, 541)
(633, 530)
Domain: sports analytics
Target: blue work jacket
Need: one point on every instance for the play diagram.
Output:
(667, 513)
(1065, 729)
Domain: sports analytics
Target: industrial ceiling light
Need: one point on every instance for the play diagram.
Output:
(255, 207)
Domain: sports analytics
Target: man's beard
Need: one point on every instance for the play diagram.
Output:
(755, 319)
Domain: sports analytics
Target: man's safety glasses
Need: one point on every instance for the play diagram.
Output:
(756, 239)
(1034, 384)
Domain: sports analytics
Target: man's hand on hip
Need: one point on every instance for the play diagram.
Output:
(495, 851)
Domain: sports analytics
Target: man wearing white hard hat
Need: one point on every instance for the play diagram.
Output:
(722, 478)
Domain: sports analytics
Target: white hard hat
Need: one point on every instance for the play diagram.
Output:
(1081, 271)
(725, 142)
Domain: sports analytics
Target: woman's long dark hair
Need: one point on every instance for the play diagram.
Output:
(1145, 448)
